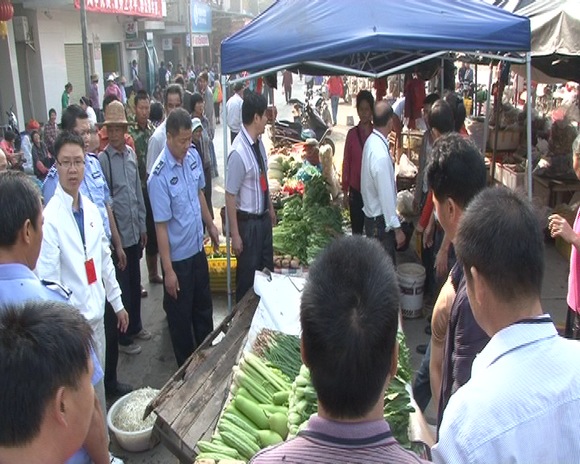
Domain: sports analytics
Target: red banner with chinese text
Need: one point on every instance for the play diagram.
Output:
(148, 8)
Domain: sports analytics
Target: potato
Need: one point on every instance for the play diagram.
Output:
(285, 263)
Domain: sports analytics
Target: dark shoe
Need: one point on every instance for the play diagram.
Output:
(428, 330)
(144, 293)
(421, 349)
(156, 279)
(119, 389)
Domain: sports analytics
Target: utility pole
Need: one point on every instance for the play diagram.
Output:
(190, 26)
(85, 46)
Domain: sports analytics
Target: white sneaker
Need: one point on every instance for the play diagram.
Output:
(116, 460)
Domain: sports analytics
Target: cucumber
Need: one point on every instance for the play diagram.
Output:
(252, 411)
(241, 422)
(245, 448)
(209, 447)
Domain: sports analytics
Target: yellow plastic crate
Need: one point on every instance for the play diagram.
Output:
(218, 268)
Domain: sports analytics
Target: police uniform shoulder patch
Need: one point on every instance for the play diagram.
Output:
(96, 174)
(193, 164)
(174, 180)
(57, 288)
(159, 167)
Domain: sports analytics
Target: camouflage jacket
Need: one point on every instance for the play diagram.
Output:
(141, 138)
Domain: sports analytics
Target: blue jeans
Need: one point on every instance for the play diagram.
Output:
(334, 104)
(422, 383)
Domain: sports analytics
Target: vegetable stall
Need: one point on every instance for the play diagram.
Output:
(246, 388)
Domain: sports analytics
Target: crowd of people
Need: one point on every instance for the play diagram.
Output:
(100, 194)
(503, 381)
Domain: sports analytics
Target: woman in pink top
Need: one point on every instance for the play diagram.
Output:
(559, 227)
(352, 160)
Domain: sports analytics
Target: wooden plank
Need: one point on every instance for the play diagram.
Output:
(222, 356)
(190, 403)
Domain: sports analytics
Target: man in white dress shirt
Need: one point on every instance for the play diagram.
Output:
(378, 184)
(522, 402)
(234, 110)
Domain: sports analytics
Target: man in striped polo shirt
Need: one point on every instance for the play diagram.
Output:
(248, 203)
(349, 315)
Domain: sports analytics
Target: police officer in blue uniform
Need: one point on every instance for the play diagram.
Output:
(175, 186)
(94, 186)
(20, 241)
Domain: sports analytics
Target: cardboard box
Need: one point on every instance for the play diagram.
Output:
(507, 140)
(513, 179)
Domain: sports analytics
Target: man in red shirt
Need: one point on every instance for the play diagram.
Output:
(335, 90)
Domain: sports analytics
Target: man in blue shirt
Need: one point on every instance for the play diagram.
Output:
(94, 186)
(20, 240)
(175, 187)
(522, 401)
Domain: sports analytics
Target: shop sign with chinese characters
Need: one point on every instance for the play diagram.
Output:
(146, 8)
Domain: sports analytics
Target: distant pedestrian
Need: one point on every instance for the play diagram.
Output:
(335, 90)
(41, 158)
(206, 93)
(94, 96)
(112, 88)
(287, 84)
(85, 105)
(234, 110)
(162, 76)
(50, 130)
(217, 99)
(64, 99)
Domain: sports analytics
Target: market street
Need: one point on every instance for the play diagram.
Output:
(156, 364)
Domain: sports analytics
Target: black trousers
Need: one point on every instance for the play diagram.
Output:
(151, 249)
(130, 282)
(357, 217)
(112, 347)
(190, 316)
(257, 251)
(375, 228)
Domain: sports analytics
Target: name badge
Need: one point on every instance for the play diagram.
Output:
(91, 272)
(173, 181)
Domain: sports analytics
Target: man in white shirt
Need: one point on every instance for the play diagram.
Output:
(522, 401)
(378, 184)
(234, 110)
(75, 249)
(173, 99)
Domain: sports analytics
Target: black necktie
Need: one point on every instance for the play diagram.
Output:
(262, 169)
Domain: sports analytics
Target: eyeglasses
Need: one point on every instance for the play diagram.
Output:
(69, 164)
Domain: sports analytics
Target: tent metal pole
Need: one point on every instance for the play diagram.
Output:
(228, 248)
(529, 121)
(442, 78)
(401, 67)
(491, 56)
(487, 109)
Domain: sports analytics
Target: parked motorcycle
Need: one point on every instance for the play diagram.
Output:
(309, 122)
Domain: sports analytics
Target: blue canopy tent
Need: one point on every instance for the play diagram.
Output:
(371, 38)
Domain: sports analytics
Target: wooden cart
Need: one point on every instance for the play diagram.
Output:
(190, 403)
